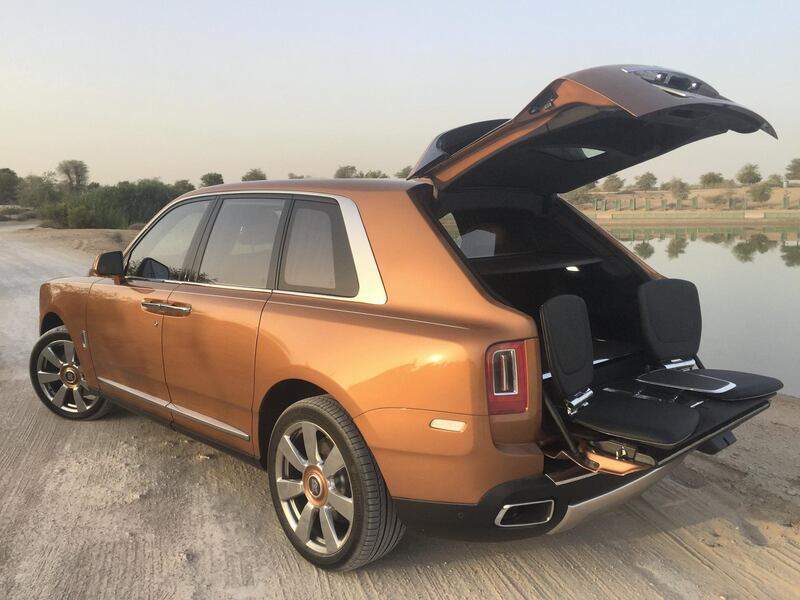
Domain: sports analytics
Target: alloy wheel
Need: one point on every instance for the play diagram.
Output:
(60, 377)
(314, 487)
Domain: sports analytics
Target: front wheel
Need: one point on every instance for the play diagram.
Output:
(327, 489)
(57, 378)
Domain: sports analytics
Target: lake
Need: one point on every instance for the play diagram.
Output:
(749, 284)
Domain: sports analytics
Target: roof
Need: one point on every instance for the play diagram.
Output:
(320, 186)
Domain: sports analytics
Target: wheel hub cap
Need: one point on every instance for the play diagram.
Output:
(314, 486)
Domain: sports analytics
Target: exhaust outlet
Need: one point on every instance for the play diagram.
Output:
(525, 514)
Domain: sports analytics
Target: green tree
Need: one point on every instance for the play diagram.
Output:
(711, 179)
(75, 174)
(296, 176)
(679, 188)
(181, 187)
(38, 190)
(211, 179)
(254, 175)
(791, 255)
(677, 246)
(376, 174)
(793, 169)
(774, 180)
(760, 192)
(9, 181)
(646, 181)
(404, 172)
(613, 183)
(749, 174)
(346, 172)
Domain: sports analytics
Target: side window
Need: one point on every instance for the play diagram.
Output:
(161, 252)
(317, 257)
(241, 244)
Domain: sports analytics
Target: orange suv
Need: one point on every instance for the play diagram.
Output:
(463, 353)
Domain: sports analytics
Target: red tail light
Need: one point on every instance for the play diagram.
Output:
(507, 378)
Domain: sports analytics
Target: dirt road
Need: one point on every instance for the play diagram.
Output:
(124, 508)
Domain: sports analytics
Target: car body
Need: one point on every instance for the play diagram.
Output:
(394, 303)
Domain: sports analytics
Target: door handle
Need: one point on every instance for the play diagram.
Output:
(165, 308)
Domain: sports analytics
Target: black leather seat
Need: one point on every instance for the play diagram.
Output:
(671, 325)
(567, 341)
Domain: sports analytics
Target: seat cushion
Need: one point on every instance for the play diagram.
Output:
(748, 385)
(652, 422)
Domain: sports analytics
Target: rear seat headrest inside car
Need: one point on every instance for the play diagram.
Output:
(567, 340)
(670, 316)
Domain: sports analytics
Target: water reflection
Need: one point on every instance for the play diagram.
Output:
(744, 242)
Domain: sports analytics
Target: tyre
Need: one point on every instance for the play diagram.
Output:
(327, 489)
(57, 377)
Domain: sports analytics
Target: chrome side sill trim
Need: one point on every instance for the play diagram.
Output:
(133, 392)
(209, 421)
(185, 412)
(576, 513)
(506, 507)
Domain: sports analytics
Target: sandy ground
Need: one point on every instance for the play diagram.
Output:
(124, 508)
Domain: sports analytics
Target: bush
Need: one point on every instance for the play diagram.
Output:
(26, 216)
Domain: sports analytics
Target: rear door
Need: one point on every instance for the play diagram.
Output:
(125, 317)
(582, 127)
(210, 340)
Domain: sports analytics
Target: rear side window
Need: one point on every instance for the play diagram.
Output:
(162, 250)
(317, 257)
(241, 245)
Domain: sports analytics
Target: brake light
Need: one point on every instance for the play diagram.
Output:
(507, 378)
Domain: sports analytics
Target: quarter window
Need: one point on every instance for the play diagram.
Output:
(161, 252)
(317, 257)
(240, 248)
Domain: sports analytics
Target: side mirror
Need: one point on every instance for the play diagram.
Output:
(109, 264)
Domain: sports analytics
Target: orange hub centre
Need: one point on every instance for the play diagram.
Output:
(315, 486)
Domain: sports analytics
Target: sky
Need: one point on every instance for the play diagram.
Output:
(177, 89)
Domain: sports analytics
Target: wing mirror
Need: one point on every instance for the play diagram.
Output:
(109, 264)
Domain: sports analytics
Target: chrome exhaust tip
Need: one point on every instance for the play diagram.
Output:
(525, 514)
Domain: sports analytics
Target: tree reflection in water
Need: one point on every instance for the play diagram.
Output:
(677, 246)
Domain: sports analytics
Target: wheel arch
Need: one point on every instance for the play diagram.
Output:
(51, 320)
(280, 397)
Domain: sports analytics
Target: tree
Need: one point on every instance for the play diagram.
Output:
(679, 188)
(613, 183)
(211, 179)
(677, 246)
(75, 174)
(760, 192)
(9, 181)
(296, 176)
(644, 250)
(38, 190)
(346, 172)
(749, 174)
(646, 181)
(254, 175)
(774, 180)
(404, 172)
(376, 174)
(181, 187)
(711, 179)
(793, 169)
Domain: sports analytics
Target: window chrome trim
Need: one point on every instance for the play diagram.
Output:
(370, 284)
(180, 410)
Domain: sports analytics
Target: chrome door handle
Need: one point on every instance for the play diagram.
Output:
(164, 308)
(177, 310)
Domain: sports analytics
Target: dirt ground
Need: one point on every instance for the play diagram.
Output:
(124, 508)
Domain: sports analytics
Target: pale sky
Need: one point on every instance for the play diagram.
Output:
(176, 89)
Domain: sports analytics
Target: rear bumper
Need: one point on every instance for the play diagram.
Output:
(560, 507)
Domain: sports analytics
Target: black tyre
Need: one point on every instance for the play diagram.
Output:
(58, 380)
(327, 489)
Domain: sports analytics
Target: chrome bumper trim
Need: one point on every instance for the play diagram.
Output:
(577, 513)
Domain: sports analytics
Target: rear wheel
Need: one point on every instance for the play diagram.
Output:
(327, 489)
(58, 380)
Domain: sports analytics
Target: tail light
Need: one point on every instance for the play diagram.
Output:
(507, 378)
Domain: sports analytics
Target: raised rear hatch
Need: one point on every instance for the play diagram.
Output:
(583, 127)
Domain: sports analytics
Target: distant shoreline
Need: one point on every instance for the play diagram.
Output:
(753, 218)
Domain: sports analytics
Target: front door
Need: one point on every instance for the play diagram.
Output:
(125, 317)
(209, 351)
